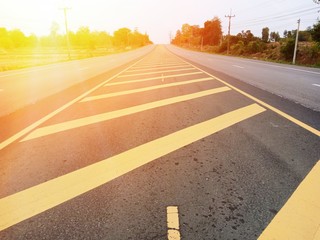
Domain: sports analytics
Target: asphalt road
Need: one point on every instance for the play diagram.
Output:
(295, 83)
(155, 148)
(20, 88)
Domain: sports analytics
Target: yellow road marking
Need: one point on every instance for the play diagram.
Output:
(40, 132)
(160, 65)
(115, 94)
(153, 78)
(299, 218)
(287, 116)
(173, 223)
(155, 68)
(47, 117)
(149, 73)
(30, 202)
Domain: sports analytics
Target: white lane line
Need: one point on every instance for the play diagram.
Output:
(237, 66)
(150, 73)
(44, 131)
(168, 85)
(317, 85)
(153, 78)
(37, 199)
(173, 223)
(288, 68)
(47, 117)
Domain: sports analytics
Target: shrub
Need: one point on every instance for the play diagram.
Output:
(287, 49)
(253, 47)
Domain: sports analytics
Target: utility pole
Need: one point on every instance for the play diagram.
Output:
(67, 31)
(296, 44)
(229, 16)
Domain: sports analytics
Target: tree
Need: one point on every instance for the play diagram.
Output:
(137, 39)
(275, 36)
(177, 38)
(32, 41)
(265, 34)
(287, 34)
(315, 32)
(102, 39)
(212, 32)
(186, 32)
(287, 49)
(121, 37)
(83, 38)
(5, 41)
(245, 36)
(18, 38)
(196, 35)
(304, 36)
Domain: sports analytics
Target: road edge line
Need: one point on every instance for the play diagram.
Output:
(279, 112)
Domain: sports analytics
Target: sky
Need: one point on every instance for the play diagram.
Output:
(157, 18)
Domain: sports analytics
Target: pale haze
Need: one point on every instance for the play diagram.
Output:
(157, 18)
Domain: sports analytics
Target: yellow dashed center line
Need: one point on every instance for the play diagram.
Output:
(173, 223)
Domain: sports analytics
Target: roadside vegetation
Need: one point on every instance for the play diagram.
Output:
(18, 50)
(269, 46)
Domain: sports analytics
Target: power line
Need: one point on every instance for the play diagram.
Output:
(276, 16)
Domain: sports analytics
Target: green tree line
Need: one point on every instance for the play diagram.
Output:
(82, 38)
(270, 45)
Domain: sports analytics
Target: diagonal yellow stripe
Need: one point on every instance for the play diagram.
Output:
(153, 78)
(108, 95)
(65, 106)
(118, 113)
(281, 113)
(149, 73)
(30, 202)
(299, 218)
(160, 65)
(157, 68)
